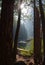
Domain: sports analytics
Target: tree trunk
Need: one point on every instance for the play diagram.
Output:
(43, 25)
(16, 36)
(6, 32)
(37, 40)
(17, 31)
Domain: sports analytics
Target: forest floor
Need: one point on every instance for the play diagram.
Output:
(27, 60)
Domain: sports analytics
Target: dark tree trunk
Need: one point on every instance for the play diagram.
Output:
(16, 35)
(17, 31)
(37, 40)
(6, 30)
(43, 25)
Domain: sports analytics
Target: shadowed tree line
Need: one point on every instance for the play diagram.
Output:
(37, 39)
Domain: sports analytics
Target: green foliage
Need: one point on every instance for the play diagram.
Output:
(29, 49)
(25, 52)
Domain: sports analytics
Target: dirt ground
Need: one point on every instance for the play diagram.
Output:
(26, 60)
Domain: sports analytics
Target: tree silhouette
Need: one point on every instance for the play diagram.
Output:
(37, 41)
(43, 25)
(17, 32)
(6, 26)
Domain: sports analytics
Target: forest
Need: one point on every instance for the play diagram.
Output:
(22, 30)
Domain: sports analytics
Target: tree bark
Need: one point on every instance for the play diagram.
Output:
(37, 40)
(6, 32)
(16, 36)
(43, 26)
(17, 31)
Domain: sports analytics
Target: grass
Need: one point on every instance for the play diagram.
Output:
(29, 49)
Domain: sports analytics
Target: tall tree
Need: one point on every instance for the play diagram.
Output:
(37, 41)
(17, 31)
(43, 25)
(6, 26)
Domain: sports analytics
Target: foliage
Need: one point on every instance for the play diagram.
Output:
(29, 49)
